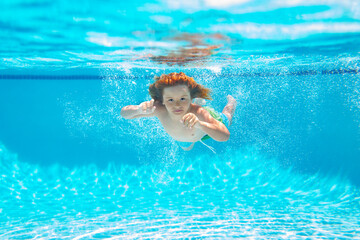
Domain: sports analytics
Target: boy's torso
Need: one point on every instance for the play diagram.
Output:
(178, 130)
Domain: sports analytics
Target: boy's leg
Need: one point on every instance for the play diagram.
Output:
(230, 107)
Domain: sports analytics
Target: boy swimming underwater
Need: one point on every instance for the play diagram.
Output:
(184, 121)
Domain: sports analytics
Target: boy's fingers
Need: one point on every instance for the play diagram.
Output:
(183, 118)
(190, 122)
(187, 118)
(188, 115)
(147, 104)
(184, 121)
(193, 124)
(144, 106)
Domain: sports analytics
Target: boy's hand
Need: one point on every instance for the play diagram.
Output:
(147, 107)
(190, 120)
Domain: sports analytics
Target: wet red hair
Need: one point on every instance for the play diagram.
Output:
(173, 79)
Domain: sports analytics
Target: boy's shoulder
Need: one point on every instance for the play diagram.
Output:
(160, 108)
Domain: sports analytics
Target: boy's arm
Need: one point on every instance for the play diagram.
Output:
(144, 109)
(204, 121)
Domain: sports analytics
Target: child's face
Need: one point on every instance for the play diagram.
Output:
(177, 99)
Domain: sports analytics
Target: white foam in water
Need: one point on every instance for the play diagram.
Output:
(215, 69)
(162, 19)
(280, 31)
(104, 40)
(338, 8)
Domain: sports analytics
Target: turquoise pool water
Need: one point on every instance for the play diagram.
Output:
(72, 168)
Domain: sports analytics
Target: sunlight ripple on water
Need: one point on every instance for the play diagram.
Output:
(232, 196)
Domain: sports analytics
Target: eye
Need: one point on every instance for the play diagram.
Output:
(170, 100)
(183, 99)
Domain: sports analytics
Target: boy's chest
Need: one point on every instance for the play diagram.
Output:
(180, 132)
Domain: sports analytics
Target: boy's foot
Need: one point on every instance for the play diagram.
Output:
(230, 107)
